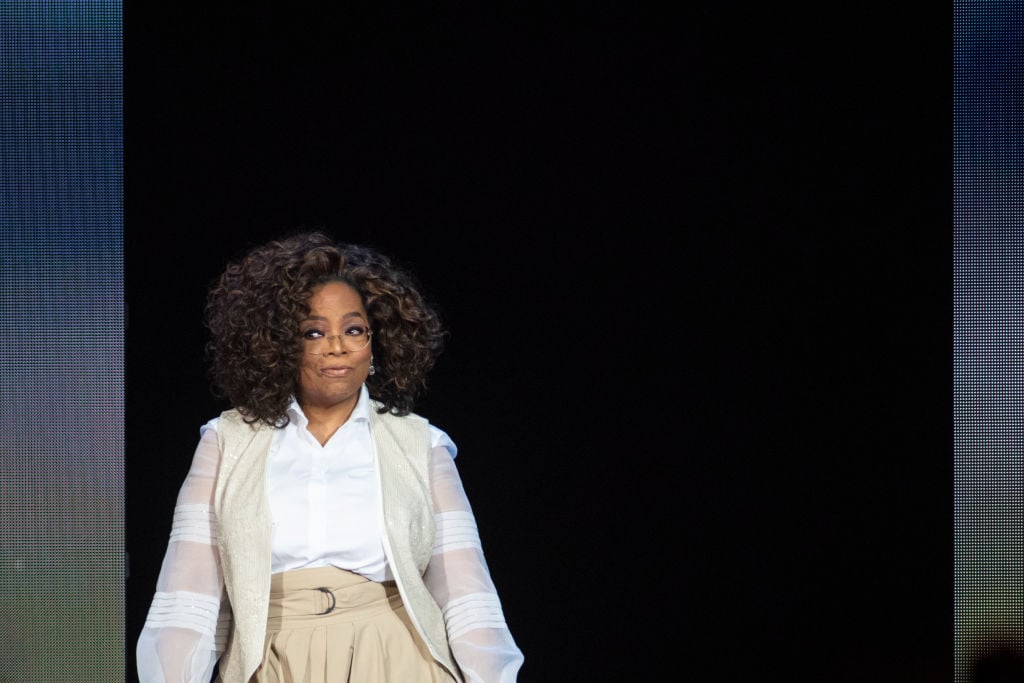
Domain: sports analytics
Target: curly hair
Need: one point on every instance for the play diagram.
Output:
(254, 308)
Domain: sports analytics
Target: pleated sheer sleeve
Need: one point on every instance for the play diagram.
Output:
(187, 622)
(460, 581)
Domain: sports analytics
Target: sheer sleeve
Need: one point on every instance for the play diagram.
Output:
(460, 581)
(187, 622)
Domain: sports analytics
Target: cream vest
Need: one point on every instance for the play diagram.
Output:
(242, 511)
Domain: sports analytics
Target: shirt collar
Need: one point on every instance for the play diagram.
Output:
(361, 412)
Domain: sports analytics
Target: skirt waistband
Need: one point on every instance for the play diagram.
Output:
(328, 593)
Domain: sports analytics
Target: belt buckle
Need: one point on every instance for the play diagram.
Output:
(334, 601)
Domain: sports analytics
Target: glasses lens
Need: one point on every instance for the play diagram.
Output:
(356, 341)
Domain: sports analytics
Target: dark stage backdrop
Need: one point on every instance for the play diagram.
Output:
(61, 342)
(697, 270)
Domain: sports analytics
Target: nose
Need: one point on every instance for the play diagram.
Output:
(335, 344)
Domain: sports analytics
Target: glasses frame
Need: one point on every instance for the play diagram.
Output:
(325, 341)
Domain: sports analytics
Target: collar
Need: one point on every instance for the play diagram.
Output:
(361, 412)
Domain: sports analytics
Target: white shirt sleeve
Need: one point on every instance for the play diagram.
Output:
(187, 622)
(460, 581)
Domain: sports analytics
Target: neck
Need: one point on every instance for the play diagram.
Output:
(324, 421)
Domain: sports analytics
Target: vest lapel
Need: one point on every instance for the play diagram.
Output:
(244, 520)
(403, 455)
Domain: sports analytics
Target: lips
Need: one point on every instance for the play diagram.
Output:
(336, 371)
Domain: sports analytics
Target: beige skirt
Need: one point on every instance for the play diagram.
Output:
(330, 625)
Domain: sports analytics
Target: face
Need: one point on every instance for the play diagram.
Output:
(331, 373)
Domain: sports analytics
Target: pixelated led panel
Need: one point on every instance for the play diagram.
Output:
(988, 335)
(62, 332)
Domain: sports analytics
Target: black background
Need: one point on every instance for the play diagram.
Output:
(697, 267)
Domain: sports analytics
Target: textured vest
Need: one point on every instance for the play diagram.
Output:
(243, 515)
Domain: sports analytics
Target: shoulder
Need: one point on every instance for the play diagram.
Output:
(229, 419)
(438, 437)
(208, 426)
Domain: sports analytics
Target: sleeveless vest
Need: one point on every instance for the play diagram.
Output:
(243, 515)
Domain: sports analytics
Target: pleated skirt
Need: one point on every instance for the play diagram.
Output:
(329, 625)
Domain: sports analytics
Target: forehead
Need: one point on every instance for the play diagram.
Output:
(335, 297)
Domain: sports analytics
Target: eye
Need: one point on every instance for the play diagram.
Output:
(356, 330)
(312, 334)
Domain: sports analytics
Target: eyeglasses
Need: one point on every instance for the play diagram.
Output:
(353, 338)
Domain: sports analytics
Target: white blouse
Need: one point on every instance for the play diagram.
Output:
(324, 503)
(324, 499)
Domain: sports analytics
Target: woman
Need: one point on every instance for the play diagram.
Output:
(322, 532)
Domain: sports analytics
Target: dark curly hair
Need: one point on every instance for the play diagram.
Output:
(254, 308)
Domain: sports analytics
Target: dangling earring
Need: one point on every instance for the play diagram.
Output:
(372, 369)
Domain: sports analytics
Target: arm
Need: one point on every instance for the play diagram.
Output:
(459, 580)
(186, 626)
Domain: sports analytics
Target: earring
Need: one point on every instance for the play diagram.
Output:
(372, 369)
